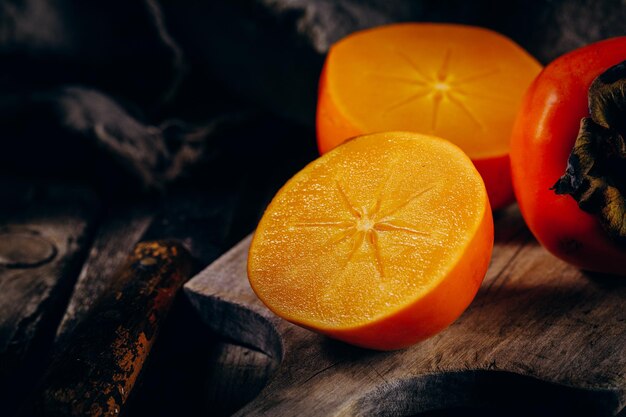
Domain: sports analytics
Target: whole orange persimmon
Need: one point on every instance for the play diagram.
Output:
(568, 157)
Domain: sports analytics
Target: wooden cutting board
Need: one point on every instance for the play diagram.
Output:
(540, 335)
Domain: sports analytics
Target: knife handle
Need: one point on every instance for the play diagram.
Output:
(96, 371)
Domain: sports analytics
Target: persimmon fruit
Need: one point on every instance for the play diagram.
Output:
(462, 83)
(561, 107)
(381, 243)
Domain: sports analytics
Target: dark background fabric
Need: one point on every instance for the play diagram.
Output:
(135, 95)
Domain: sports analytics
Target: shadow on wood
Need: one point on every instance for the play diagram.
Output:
(46, 230)
(540, 334)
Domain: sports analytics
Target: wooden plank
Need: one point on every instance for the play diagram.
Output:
(199, 355)
(96, 372)
(118, 232)
(541, 335)
(45, 230)
(236, 376)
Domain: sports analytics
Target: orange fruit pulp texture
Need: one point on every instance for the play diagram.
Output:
(462, 83)
(381, 242)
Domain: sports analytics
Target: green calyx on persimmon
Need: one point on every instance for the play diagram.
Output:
(596, 169)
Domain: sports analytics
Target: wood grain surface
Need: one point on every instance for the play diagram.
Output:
(540, 336)
(45, 231)
(97, 370)
(119, 230)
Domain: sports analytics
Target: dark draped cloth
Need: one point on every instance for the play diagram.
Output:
(137, 94)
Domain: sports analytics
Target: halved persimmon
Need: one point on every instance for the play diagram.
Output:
(462, 83)
(381, 242)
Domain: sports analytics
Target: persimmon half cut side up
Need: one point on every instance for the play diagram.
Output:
(462, 83)
(381, 243)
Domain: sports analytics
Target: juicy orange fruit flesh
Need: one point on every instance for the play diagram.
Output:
(369, 230)
(462, 83)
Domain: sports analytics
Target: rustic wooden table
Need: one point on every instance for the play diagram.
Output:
(61, 243)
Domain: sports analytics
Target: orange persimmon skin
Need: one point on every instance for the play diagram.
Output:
(543, 136)
(334, 124)
(421, 266)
